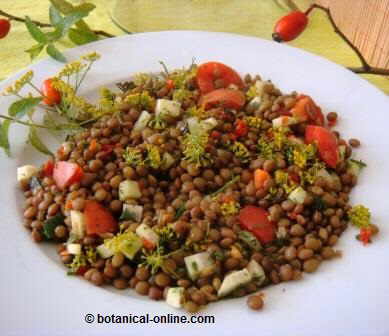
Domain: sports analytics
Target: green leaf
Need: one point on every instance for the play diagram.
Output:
(55, 15)
(250, 240)
(50, 225)
(37, 143)
(37, 34)
(127, 215)
(179, 212)
(66, 7)
(80, 37)
(35, 50)
(21, 107)
(360, 163)
(55, 53)
(4, 142)
(63, 27)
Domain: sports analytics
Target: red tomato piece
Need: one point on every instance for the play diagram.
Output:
(148, 244)
(227, 98)
(241, 128)
(170, 84)
(255, 220)
(290, 26)
(98, 219)
(326, 142)
(82, 270)
(208, 72)
(307, 110)
(52, 96)
(48, 168)
(66, 173)
(5, 26)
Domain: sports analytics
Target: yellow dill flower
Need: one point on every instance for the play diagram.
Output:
(71, 69)
(159, 121)
(142, 100)
(198, 112)
(18, 84)
(153, 158)
(91, 255)
(266, 148)
(240, 151)
(181, 77)
(230, 208)
(194, 148)
(92, 57)
(280, 137)
(359, 216)
(254, 122)
(141, 78)
(107, 98)
(79, 260)
(282, 180)
(181, 94)
(133, 156)
(309, 176)
(302, 154)
(252, 92)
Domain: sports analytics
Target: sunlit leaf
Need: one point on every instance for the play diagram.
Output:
(37, 34)
(21, 107)
(55, 15)
(37, 143)
(4, 130)
(35, 50)
(80, 37)
(55, 53)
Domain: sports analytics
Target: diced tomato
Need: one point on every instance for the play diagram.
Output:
(255, 220)
(326, 142)
(215, 134)
(227, 98)
(52, 96)
(106, 149)
(170, 84)
(148, 244)
(365, 236)
(232, 136)
(93, 146)
(284, 112)
(69, 205)
(260, 178)
(98, 219)
(66, 173)
(48, 168)
(82, 270)
(208, 72)
(306, 109)
(241, 128)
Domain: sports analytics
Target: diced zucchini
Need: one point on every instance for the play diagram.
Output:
(142, 121)
(283, 121)
(74, 248)
(196, 263)
(104, 252)
(255, 102)
(256, 271)
(209, 123)
(233, 281)
(175, 297)
(135, 211)
(146, 232)
(168, 107)
(342, 152)
(167, 160)
(77, 220)
(260, 86)
(26, 172)
(193, 124)
(129, 189)
(298, 195)
(354, 167)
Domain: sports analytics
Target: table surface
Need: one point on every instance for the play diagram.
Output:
(319, 38)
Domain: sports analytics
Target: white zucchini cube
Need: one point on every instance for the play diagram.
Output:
(168, 107)
(129, 189)
(146, 232)
(234, 280)
(74, 248)
(104, 252)
(256, 271)
(77, 220)
(209, 123)
(175, 297)
(283, 121)
(26, 172)
(298, 195)
(136, 211)
(255, 102)
(142, 121)
(167, 160)
(196, 263)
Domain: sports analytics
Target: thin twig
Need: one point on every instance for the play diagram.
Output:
(47, 25)
(26, 123)
(366, 67)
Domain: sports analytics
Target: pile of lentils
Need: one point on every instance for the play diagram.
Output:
(306, 233)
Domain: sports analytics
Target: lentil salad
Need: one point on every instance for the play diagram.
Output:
(197, 185)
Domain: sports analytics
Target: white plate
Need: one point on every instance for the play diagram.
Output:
(348, 296)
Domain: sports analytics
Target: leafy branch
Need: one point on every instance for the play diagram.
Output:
(366, 68)
(65, 20)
